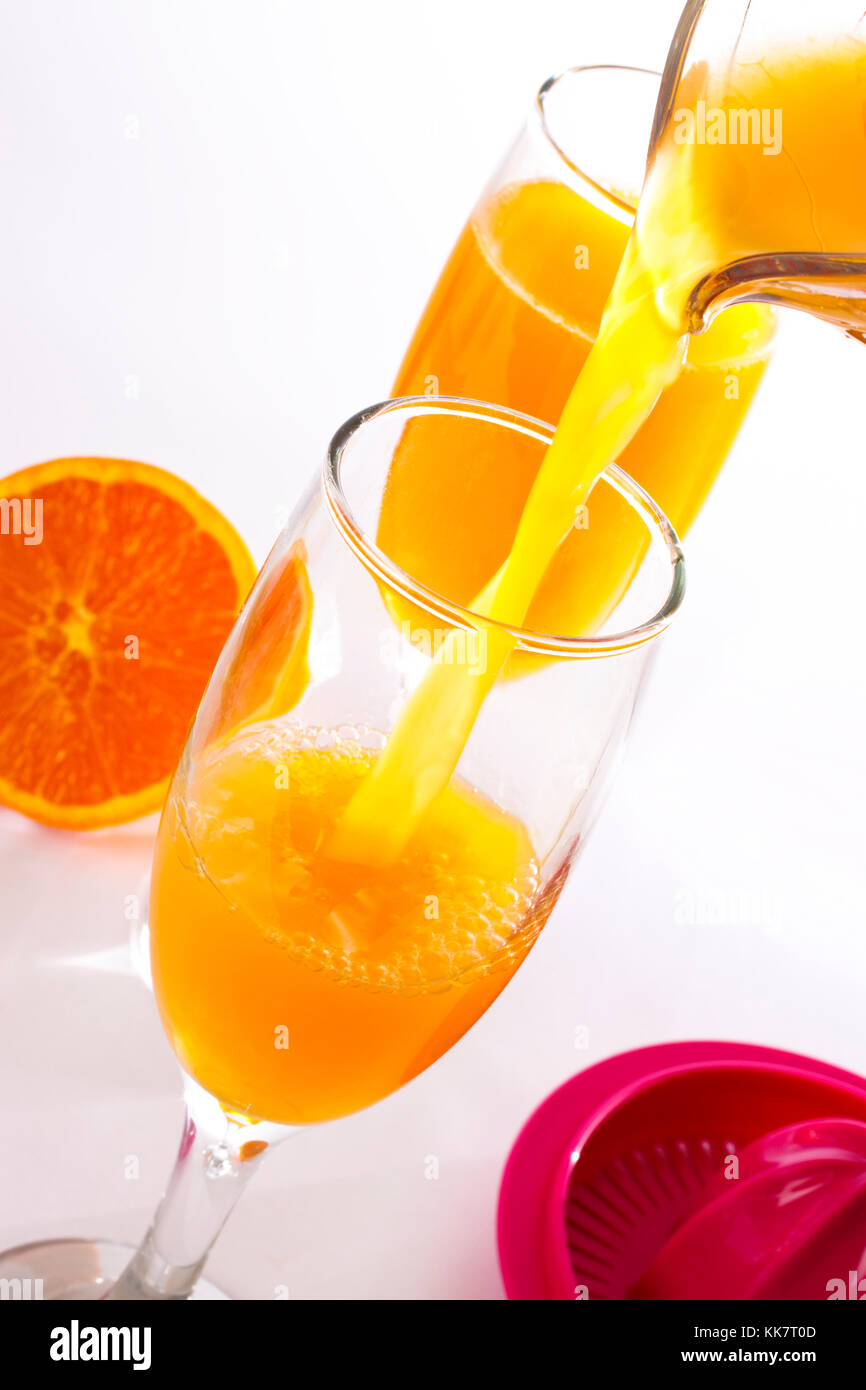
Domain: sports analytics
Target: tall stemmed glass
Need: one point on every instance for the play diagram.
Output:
(518, 305)
(297, 987)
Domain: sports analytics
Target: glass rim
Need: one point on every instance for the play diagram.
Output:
(455, 614)
(617, 204)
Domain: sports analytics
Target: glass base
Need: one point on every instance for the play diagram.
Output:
(68, 1270)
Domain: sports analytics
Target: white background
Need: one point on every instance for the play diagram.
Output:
(220, 223)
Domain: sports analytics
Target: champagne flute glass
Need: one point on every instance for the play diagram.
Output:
(296, 987)
(512, 319)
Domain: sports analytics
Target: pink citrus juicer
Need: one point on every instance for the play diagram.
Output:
(787, 1221)
(690, 1170)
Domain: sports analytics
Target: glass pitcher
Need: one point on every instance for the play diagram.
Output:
(780, 88)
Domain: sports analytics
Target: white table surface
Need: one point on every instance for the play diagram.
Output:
(221, 223)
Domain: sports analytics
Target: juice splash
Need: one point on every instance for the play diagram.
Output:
(297, 989)
(706, 206)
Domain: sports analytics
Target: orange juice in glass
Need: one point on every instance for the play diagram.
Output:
(512, 320)
(373, 972)
(296, 986)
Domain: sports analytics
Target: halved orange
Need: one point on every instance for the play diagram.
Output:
(119, 584)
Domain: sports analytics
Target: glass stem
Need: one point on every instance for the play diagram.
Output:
(218, 1155)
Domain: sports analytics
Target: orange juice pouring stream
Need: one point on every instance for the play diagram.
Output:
(704, 206)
